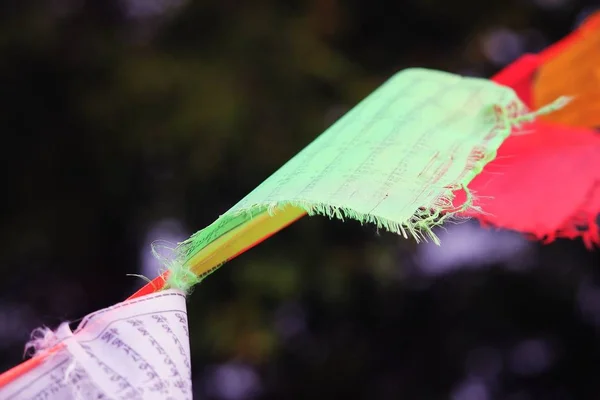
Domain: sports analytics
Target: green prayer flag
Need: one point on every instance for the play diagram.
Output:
(394, 160)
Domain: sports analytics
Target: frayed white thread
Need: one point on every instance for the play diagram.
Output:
(65, 335)
(41, 340)
(81, 362)
(44, 339)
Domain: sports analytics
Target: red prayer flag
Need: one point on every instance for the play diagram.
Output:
(545, 181)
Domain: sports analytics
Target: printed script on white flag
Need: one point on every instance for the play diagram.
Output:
(138, 349)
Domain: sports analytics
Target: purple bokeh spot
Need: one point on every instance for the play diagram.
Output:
(467, 245)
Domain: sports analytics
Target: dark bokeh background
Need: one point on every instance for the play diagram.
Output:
(125, 121)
